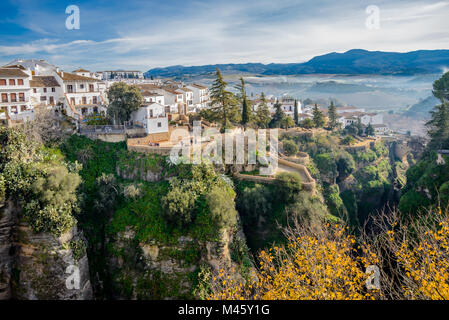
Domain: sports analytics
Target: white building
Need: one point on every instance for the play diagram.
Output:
(45, 91)
(37, 67)
(348, 109)
(372, 118)
(122, 74)
(174, 99)
(381, 129)
(82, 95)
(188, 99)
(15, 104)
(152, 117)
(87, 73)
(149, 97)
(288, 106)
(348, 118)
(201, 98)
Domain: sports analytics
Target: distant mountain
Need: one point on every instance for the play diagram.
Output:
(355, 61)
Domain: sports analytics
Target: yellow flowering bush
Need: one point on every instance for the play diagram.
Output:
(420, 252)
(322, 264)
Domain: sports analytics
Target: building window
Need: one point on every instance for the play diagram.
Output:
(94, 100)
(2, 82)
(159, 124)
(81, 86)
(45, 90)
(12, 82)
(52, 101)
(84, 100)
(20, 82)
(53, 90)
(70, 88)
(13, 97)
(91, 88)
(4, 97)
(43, 98)
(21, 96)
(34, 90)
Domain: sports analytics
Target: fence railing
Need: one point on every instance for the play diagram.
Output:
(107, 128)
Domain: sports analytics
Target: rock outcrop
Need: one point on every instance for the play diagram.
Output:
(39, 265)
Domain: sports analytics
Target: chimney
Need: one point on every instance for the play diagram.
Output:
(62, 74)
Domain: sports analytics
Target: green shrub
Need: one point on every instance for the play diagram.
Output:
(289, 184)
(222, 207)
(290, 148)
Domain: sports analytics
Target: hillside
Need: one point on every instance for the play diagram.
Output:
(354, 61)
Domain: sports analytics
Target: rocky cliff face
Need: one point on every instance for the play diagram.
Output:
(40, 266)
(155, 270)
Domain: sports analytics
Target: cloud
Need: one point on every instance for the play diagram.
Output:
(153, 34)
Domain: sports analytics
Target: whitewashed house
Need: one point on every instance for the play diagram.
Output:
(373, 118)
(288, 106)
(152, 117)
(149, 97)
(122, 74)
(381, 129)
(83, 96)
(187, 98)
(15, 104)
(87, 73)
(45, 91)
(201, 98)
(349, 109)
(174, 99)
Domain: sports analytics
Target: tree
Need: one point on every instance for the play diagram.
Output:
(296, 115)
(359, 127)
(179, 203)
(287, 122)
(318, 118)
(263, 116)
(313, 265)
(107, 191)
(290, 148)
(438, 126)
(241, 96)
(222, 207)
(441, 88)
(351, 129)
(369, 130)
(289, 184)
(279, 114)
(345, 164)
(223, 102)
(307, 123)
(254, 203)
(48, 127)
(123, 100)
(332, 114)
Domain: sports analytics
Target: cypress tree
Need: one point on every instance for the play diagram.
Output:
(332, 111)
(296, 117)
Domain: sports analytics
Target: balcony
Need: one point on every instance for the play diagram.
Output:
(162, 115)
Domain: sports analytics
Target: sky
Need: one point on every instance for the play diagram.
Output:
(139, 35)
